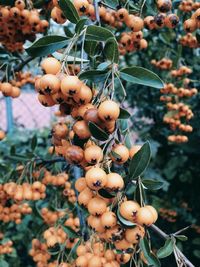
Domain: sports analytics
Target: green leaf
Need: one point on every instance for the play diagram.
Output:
(124, 221)
(91, 47)
(97, 132)
(7, 2)
(70, 232)
(46, 45)
(67, 31)
(3, 263)
(124, 114)
(139, 75)
(104, 193)
(34, 142)
(152, 184)
(93, 75)
(140, 161)
(80, 25)
(198, 37)
(182, 237)
(195, 252)
(12, 150)
(112, 3)
(149, 256)
(69, 59)
(39, 3)
(97, 33)
(167, 249)
(69, 11)
(111, 50)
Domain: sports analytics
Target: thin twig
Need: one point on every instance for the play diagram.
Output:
(163, 235)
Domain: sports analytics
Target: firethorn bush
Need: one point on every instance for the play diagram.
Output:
(113, 181)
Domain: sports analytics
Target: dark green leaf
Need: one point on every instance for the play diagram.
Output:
(93, 75)
(34, 142)
(112, 3)
(111, 50)
(140, 161)
(69, 11)
(67, 31)
(3, 263)
(182, 237)
(124, 114)
(12, 150)
(46, 45)
(80, 25)
(149, 256)
(7, 2)
(139, 75)
(198, 37)
(124, 221)
(195, 252)
(70, 232)
(167, 249)
(97, 33)
(97, 132)
(104, 193)
(152, 184)
(91, 47)
(39, 3)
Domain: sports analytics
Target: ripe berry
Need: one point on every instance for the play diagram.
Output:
(108, 219)
(96, 178)
(51, 65)
(133, 235)
(49, 84)
(145, 216)
(114, 182)
(129, 209)
(93, 154)
(96, 206)
(81, 129)
(70, 85)
(108, 111)
(122, 154)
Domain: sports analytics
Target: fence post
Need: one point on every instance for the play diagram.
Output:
(9, 114)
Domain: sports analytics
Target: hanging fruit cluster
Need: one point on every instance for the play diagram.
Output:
(188, 5)
(18, 24)
(8, 89)
(22, 78)
(5, 246)
(163, 64)
(178, 113)
(190, 25)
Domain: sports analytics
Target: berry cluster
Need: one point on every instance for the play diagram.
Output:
(14, 212)
(188, 5)
(54, 235)
(51, 217)
(163, 64)
(190, 25)
(179, 113)
(189, 40)
(22, 78)
(8, 89)
(39, 253)
(25, 191)
(5, 246)
(18, 24)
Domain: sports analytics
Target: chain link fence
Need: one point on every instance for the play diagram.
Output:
(24, 111)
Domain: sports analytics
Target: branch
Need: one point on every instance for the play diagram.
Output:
(19, 66)
(96, 8)
(164, 236)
